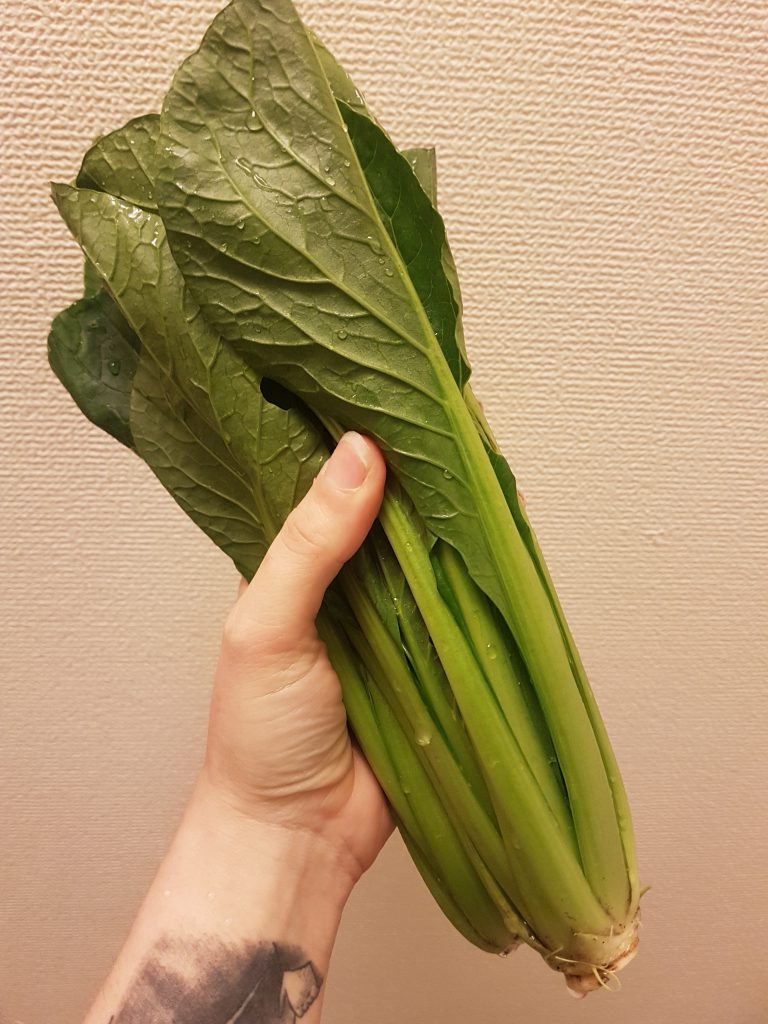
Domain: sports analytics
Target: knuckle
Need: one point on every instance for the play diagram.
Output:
(301, 535)
(239, 636)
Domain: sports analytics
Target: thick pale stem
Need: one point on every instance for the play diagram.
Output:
(508, 682)
(417, 806)
(378, 647)
(549, 887)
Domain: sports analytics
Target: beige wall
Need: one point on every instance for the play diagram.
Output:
(602, 173)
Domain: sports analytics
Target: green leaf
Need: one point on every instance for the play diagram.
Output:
(236, 463)
(121, 163)
(93, 352)
(415, 227)
(423, 162)
(342, 86)
(91, 281)
(190, 460)
(183, 448)
(292, 263)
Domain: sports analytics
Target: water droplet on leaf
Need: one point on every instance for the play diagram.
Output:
(341, 334)
(114, 367)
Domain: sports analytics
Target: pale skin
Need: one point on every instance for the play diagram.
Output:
(285, 816)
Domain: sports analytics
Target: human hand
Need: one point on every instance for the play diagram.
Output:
(279, 752)
(286, 814)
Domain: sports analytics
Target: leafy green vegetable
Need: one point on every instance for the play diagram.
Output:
(262, 237)
(94, 353)
(122, 162)
(415, 228)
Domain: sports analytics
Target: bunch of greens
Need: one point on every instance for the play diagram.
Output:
(265, 270)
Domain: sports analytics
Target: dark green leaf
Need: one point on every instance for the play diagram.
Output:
(423, 162)
(93, 352)
(91, 281)
(415, 227)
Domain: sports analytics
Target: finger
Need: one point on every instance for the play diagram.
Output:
(318, 537)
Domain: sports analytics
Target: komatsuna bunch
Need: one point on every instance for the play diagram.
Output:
(264, 270)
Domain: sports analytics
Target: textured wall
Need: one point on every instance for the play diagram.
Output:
(602, 173)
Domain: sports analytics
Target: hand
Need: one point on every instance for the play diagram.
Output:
(279, 752)
(286, 814)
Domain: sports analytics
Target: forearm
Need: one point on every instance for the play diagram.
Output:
(237, 926)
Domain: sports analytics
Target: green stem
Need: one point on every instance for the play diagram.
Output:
(443, 894)
(442, 858)
(549, 888)
(451, 864)
(621, 802)
(509, 489)
(377, 647)
(530, 617)
(429, 673)
(508, 680)
(420, 814)
(548, 884)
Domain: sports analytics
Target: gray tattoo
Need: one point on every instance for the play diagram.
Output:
(207, 982)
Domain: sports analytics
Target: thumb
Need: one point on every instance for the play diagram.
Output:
(324, 530)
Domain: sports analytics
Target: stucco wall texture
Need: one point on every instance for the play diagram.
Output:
(602, 169)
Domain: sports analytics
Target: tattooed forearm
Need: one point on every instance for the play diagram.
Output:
(208, 982)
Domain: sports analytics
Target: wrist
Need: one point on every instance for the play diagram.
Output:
(296, 866)
(234, 894)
